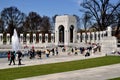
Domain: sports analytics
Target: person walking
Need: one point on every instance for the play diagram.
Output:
(76, 51)
(8, 55)
(19, 57)
(12, 58)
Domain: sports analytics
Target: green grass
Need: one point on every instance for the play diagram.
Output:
(115, 78)
(29, 71)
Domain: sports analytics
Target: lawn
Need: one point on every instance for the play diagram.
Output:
(29, 71)
(115, 78)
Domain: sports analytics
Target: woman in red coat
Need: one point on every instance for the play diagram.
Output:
(8, 55)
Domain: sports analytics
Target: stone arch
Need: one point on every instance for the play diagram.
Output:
(65, 26)
(71, 29)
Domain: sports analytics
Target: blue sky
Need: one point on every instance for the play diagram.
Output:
(44, 7)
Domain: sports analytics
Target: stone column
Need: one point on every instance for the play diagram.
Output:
(101, 37)
(88, 34)
(21, 38)
(97, 37)
(34, 38)
(52, 38)
(1, 38)
(8, 38)
(78, 37)
(104, 34)
(56, 37)
(93, 37)
(83, 37)
(66, 38)
(109, 31)
(28, 38)
(74, 36)
(46, 38)
(40, 38)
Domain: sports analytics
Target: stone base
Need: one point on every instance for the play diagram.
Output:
(108, 44)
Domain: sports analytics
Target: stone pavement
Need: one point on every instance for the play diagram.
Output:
(52, 59)
(98, 73)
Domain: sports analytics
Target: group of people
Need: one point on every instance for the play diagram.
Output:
(38, 53)
(12, 56)
(86, 51)
(47, 52)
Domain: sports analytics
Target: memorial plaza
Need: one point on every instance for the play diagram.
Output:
(67, 45)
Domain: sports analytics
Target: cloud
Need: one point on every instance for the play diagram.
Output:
(79, 2)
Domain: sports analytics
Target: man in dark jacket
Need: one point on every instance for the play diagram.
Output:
(19, 57)
(12, 58)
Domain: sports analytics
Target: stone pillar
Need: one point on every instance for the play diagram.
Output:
(109, 31)
(101, 37)
(28, 38)
(40, 38)
(78, 37)
(8, 38)
(56, 37)
(21, 38)
(97, 37)
(104, 32)
(74, 36)
(52, 38)
(1, 38)
(88, 34)
(46, 38)
(34, 38)
(66, 37)
(83, 37)
(93, 37)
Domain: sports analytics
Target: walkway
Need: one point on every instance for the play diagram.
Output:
(52, 59)
(98, 73)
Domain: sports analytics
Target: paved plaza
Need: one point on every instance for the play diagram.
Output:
(98, 73)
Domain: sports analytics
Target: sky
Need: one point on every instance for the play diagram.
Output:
(44, 7)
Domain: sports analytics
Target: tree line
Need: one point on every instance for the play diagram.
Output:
(12, 17)
(97, 15)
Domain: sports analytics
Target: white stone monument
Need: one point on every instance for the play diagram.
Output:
(8, 38)
(1, 38)
(109, 43)
(88, 40)
(52, 38)
(65, 30)
(28, 38)
(34, 38)
(46, 38)
(97, 39)
(78, 37)
(21, 38)
(40, 38)
(83, 37)
(93, 37)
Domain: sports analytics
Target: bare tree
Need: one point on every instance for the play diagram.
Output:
(101, 10)
(1, 26)
(33, 21)
(12, 18)
(78, 20)
(53, 21)
(118, 23)
(45, 24)
(86, 22)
